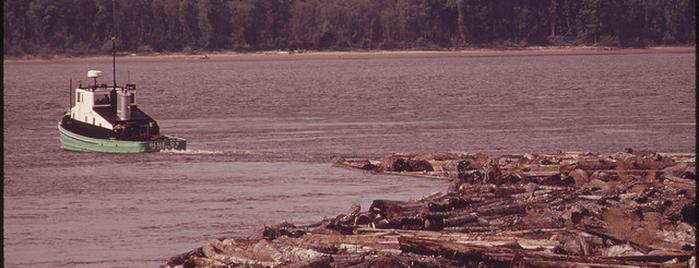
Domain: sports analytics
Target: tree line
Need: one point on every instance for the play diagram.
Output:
(85, 26)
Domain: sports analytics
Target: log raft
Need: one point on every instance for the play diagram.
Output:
(563, 209)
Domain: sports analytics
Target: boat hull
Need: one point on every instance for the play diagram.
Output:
(75, 142)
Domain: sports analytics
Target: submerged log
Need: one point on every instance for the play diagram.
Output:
(399, 164)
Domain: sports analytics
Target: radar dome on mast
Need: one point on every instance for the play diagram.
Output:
(94, 74)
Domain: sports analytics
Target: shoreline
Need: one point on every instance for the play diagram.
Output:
(357, 54)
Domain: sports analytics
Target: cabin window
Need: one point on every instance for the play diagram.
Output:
(86, 119)
(102, 99)
(93, 120)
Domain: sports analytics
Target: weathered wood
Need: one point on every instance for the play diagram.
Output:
(431, 196)
(364, 218)
(499, 255)
(471, 229)
(392, 208)
(460, 220)
(433, 222)
(345, 223)
(387, 224)
(449, 204)
(180, 259)
(299, 255)
(617, 240)
(348, 260)
(439, 248)
(509, 209)
(557, 212)
(318, 262)
(206, 262)
(232, 258)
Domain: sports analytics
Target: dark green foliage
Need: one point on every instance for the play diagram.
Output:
(78, 27)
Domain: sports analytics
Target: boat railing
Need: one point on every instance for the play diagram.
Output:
(105, 87)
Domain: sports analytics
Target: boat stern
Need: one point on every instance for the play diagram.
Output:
(165, 143)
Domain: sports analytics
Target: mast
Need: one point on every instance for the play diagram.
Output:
(114, 42)
(70, 95)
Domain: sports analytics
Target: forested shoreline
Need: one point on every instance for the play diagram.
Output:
(84, 27)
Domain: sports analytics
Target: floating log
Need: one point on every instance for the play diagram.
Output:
(563, 209)
(504, 253)
(228, 258)
(460, 220)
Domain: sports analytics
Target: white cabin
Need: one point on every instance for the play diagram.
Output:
(90, 99)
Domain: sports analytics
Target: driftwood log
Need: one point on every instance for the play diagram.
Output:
(565, 209)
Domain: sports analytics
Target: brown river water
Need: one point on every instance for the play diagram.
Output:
(262, 136)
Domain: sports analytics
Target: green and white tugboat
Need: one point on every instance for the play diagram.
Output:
(107, 119)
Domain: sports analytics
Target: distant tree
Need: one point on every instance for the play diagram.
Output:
(553, 16)
(85, 26)
(588, 21)
(15, 24)
(206, 39)
(460, 7)
(630, 27)
(187, 17)
(304, 23)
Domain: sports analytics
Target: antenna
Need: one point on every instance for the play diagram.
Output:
(114, 42)
(70, 95)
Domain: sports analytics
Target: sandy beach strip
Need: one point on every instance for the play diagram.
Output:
(369, 54)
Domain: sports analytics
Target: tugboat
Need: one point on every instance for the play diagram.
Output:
(107, 119)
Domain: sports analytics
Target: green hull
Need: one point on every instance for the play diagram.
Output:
(75, 142)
